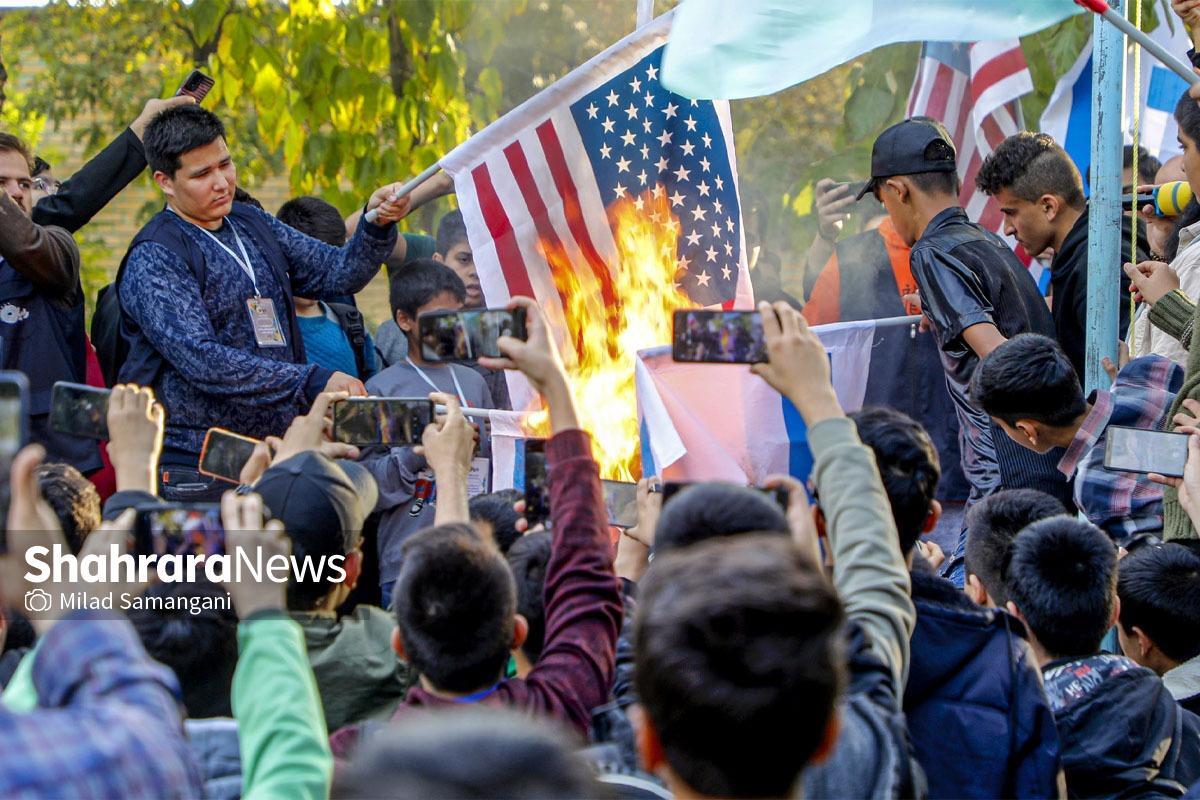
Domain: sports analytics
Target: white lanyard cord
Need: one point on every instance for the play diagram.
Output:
(243, 262)
(454, 377)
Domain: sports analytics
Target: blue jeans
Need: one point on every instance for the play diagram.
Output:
(385, 594)
(954, 569)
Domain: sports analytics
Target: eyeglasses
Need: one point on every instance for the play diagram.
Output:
(47, 185)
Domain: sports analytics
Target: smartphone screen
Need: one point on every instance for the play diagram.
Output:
(721, 337)
(396, 421)
(537, 492)
(1141, 450)
(225, 453)
(467, 335)
(620, 498)
(14, 432)
(196, 85)
(79, 410)
(180, 529)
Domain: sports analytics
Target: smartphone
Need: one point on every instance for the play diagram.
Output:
(620, 498)
(718, 337)
(196, 85)
(225, 453)
(537, 492)
(14, 433)
(179, 529)
(397, 421)
(467, 335)
(79, 410)
(1142, 450)
(852, 188)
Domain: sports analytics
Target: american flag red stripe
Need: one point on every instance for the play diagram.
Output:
(501, 231)
(974, 90)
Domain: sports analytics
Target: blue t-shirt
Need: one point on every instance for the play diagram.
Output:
(326, 345)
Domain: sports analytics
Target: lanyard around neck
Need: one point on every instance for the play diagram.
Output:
(243, 261)
(457, 386)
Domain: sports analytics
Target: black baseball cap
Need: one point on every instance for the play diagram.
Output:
(903, 149)
(319, 500)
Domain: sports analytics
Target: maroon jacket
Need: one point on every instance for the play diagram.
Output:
(582, 600)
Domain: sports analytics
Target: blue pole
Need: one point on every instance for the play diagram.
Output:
(1104, 205)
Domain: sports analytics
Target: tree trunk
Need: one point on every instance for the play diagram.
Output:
(3, 83)
(400, 66)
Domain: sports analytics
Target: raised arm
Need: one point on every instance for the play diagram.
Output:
(868, 569)
(281, 728)
(47, 256)
(321, 270)
(575, 671)
(96, 183)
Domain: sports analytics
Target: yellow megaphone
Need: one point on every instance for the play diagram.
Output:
(1168, 200)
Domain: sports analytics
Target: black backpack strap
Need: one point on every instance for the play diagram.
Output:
(351, 320)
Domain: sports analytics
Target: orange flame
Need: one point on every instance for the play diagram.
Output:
(612, 311)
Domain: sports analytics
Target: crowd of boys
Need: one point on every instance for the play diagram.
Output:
(724, 646)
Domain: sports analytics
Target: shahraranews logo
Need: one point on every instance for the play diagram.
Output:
(117, 567)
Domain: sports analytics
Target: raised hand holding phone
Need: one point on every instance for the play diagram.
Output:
(538, 360)
(448, 444)
(242, 516)
(135, 428)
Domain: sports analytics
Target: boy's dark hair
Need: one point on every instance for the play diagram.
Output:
(74, 499)
(420, 281)
(13, 144)
(176, 131)
(1148, 165)
(527, 559)
(992, 525)
(314, 217)
(1187, 117)
(473, 752)
(40, 165)
(706, 510)
(1159, 589)
(201, 649)
(1063, 578)
(736, 640)
(908, 465)
(450, 231)
(1028, 377)
(496, 509)
(1030, 165)
(240, 195)
(455, 600)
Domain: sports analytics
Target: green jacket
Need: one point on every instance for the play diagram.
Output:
(357, 672)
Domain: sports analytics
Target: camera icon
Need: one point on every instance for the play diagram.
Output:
(37, 600)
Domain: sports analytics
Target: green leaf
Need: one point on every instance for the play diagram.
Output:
(867, 111)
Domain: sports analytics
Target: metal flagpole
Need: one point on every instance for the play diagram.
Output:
(1104, 205)
(1111, 13)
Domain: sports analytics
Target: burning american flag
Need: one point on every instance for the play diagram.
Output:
(612, 202)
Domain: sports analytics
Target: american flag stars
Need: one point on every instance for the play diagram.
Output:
(675, 148)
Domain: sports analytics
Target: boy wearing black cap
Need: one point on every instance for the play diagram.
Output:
(974, 291)
(323, 504)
